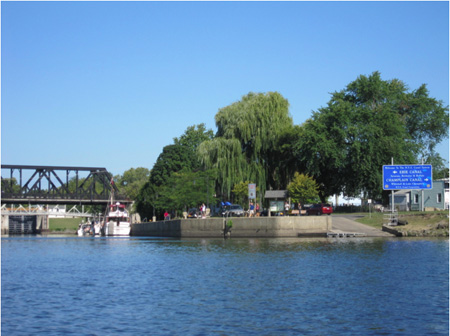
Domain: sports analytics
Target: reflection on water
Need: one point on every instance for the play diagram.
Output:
(142, 285)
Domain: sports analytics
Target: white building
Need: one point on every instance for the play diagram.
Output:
(345, 201)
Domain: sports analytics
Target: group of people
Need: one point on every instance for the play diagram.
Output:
(292, 206)
(254, 210)
(288, 206)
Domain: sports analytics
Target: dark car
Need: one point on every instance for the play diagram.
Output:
(319, 209)
(233, 210)
(194, 213)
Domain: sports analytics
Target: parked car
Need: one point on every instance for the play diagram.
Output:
(194, 213)
(233, 210)
(319, 209)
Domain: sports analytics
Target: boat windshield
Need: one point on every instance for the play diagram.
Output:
(118, 219)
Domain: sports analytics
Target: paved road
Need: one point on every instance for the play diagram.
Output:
(346, 223)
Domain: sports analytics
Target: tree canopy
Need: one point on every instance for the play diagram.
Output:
(178, 162)
(240, 192)
(303, 189)
(132, 181)
(344, 145)
(247, 135)
(186, 189)
(172, 159)
(341, 147)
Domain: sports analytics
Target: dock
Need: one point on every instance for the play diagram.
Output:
(342, 234)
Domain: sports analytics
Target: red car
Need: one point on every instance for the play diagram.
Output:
(319, 209)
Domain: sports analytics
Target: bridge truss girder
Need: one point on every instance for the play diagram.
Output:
(46, 185)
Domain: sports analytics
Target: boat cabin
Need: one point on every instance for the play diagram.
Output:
(118, 213)
(118, 210)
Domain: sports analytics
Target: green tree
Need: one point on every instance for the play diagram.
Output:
(245, 143)
(146, 201)
(191, 139)
(152, 198)
(10, 185)
(186, 189)
(172, 159)
(440, 169)
(240, 192)
(132, 181)
(344, 145)
(303, 189)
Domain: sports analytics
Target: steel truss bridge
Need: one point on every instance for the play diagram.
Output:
(58, 185)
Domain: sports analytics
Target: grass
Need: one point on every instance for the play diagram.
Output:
(374, 219)
(433, 223)
(64, 224)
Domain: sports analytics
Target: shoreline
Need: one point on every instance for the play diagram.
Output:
(431, 224)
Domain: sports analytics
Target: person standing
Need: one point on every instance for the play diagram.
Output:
(252, 209)
(203, 210)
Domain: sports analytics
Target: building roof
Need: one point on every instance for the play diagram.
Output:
(276, 194)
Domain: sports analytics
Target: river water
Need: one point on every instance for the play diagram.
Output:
(154, 286)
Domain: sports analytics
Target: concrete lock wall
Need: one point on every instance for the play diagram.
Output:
(241, 227)
(39, 223)
(5, 224)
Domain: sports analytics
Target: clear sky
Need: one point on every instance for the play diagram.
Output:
(109, 84)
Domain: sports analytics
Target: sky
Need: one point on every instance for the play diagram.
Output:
(109, 84)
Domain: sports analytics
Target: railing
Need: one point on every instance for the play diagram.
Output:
(39, 210)
(390, 218)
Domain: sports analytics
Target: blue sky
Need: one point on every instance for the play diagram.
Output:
(109, 84)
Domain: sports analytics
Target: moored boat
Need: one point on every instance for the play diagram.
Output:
(118, 221)
(98, 228)
(85, 229)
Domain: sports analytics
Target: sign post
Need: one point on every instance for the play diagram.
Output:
(252, 191)
(407, 177)
(401, 177)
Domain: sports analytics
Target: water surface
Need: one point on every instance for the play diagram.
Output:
(156, 286)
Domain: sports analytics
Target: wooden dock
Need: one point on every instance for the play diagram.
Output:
(342, 234)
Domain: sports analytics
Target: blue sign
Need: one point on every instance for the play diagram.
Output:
(398, 177)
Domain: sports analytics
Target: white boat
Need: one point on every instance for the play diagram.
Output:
(85, 229)
(118, 221)
(98, 228)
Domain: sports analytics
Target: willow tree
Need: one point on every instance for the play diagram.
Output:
(246, 141)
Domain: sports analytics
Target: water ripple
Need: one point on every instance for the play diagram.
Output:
(136, 286)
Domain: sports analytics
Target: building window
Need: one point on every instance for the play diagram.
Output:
(416, 198)
(439, 198)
